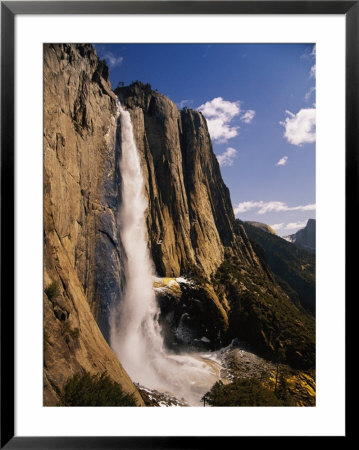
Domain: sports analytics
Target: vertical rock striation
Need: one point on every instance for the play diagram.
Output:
(192, 231)
(191, 226)
(190, 219)
(82, 249)
(190, 216)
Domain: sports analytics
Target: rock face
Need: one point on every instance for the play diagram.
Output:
(190, 217)
(82, 248)
(304, 238)
(192, 316)
(192, 231)
(262, 226)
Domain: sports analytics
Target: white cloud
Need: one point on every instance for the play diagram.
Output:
(282, 161)
(310, 53)
(245, 206)
(289, 226)
(294, 225)
(277, 226)
(112, 60)
(272, 206)
(309, 93)
(226, 158)
(220, 131)
(219, 114)
(312, 74)
(248, 116)
(184, 103)
(300, 127)
(313, 71)
(220, 108)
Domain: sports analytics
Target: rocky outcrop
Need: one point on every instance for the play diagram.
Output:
(304, 238)
(192, 314)
(190, 220)
(262, 226)
(192, 232)
(190, 217)
(82, 249)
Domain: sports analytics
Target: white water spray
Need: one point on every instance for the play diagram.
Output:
(135, 331)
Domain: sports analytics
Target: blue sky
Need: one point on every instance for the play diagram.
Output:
(259, 101)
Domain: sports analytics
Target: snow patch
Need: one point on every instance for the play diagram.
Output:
(173, 281)
(184, 281)
(162, 290)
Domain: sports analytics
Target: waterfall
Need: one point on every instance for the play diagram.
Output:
(135, 332)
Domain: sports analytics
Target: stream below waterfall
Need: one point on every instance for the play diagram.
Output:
(227, 364)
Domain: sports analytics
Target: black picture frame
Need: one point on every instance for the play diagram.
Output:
(9, 10)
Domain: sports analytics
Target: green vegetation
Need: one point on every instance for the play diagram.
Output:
(144, 86)
(267, 323)
(52, 291)
(136, 90)
(246, 392)
(282, 390)
(293, 267)
(262, 315)
(94, 390)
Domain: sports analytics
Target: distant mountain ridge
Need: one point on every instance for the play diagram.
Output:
(304, 238)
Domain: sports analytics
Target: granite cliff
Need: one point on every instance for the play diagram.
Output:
(82, 262)
(190, 219)
(192, 233)
(190, 215)
(212, 284)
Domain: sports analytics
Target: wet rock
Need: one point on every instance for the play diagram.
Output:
(192, 316)
(81, 198)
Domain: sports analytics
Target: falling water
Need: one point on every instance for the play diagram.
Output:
(135, 332)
